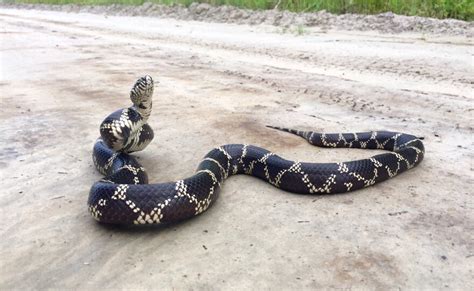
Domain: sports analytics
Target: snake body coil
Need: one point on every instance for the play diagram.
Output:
(125, 197)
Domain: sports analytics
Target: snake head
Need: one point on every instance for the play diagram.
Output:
(126, 129)
(142, 95)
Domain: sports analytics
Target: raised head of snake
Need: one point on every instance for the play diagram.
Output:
(142, 95)
(126, 130)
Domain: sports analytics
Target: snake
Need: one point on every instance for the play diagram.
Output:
(124, 196)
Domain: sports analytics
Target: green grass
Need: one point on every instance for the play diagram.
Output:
(460, 9)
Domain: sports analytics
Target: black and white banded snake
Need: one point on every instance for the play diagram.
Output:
(125, 197)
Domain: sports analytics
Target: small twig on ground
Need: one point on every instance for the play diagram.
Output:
(57, 197)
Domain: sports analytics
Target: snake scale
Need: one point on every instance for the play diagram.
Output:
(124, 196)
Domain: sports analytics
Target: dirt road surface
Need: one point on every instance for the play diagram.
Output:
(222, 83)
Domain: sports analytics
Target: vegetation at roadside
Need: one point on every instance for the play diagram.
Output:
(459, 9)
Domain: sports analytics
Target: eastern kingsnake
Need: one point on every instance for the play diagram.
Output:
(125, 197)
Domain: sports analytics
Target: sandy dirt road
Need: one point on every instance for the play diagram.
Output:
(61, 74)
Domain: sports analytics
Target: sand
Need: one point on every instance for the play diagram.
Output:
(62, 73)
